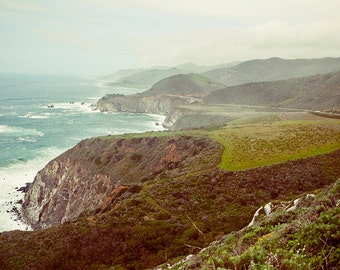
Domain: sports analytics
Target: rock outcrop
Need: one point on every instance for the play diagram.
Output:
(158, 104)
(91, 175)
(163, 97)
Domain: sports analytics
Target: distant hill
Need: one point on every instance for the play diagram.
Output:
(272, 69)
(163, 96)
(184, 84)
(120, 74)
(145, 78)
(316, 92)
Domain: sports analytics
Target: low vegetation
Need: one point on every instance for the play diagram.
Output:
(306, 238)
(260, 144)
(182, 209)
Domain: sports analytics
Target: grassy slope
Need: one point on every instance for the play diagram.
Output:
(257, 144)
(154, 224)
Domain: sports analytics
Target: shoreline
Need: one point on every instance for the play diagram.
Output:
(14, 178)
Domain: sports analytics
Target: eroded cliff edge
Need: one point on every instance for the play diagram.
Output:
(143, 220)
(93, 173)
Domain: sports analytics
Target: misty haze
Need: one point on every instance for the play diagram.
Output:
(169, 134)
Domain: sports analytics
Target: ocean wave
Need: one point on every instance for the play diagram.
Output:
(94, 98)
(21, 131)
(73, 106)
(14, 176)
(6, 129)
(27, 139)
(156, 122)
(29, 115)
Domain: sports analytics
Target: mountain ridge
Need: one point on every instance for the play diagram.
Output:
(144, 78)
(273, 69)
(318, 92)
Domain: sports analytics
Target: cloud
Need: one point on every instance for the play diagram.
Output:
(153, 32)
(246, 10)
(17, 5)
(273, 38)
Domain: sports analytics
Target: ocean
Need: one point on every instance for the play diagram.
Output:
(40, 118)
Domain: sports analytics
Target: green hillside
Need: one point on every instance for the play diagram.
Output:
(306, 238)
(181, 196)
(184, 85)
(317, 92)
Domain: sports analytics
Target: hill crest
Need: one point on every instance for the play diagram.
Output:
(316, 92)
(273, 69)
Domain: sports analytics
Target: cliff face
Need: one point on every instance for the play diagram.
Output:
(186, 119)
(163, 96)
(91, 175)
(158, 104)
(139, 195)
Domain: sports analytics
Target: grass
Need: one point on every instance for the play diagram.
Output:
(263, 139)
(260, 144)
(144, 228)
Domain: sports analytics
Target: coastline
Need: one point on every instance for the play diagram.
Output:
(14, 178)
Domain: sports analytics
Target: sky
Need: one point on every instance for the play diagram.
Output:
(99, 37)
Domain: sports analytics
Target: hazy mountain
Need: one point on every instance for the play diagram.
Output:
(273, 69)
(315, 92)
(184, 84)
(145, 78)
(120, 74)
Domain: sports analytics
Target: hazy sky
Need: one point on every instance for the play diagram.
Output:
(94, 37)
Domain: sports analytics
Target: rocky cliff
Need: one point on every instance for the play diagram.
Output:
(142, 197)
(163, 96)
(158, 104)
(93, 173)
(194, 117)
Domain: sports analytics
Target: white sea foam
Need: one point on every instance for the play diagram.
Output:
(20, 131)
(94, 98)
(157, 121)
(6, 129)
(14, 177)
(38, 116)
(34, 116)
(76, 106)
